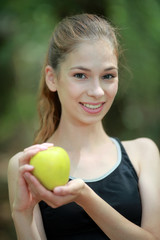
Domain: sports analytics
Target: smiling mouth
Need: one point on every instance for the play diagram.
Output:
(92, 106)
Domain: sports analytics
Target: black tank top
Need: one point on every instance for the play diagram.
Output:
(118, 187)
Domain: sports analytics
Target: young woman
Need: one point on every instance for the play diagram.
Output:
(114, 187)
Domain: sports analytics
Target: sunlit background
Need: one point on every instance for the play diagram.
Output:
(25, 29)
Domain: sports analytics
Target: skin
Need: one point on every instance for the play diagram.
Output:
(88, 75)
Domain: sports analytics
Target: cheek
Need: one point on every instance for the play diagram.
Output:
(112, 90)
(74, 90)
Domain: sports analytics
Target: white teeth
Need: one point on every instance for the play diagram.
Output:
(92, 106)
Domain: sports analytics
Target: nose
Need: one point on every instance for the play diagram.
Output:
(95, 89)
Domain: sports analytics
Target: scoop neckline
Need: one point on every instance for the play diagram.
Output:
(119, 159)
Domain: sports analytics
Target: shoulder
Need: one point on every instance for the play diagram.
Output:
(14, 162)
(143, 152)
(141, 144)
(142, 147)
(13, 167)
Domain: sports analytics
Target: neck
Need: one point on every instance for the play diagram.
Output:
(76, 137)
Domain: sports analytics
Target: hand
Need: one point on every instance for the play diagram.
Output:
(60, 195)
(24, 200)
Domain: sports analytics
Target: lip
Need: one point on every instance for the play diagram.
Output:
(91, 107)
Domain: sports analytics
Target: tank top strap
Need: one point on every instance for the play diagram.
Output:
(126, 158)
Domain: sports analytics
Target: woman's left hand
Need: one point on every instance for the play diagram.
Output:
(61, 195)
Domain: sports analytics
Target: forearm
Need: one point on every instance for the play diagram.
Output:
(25, 226)
(113, 224)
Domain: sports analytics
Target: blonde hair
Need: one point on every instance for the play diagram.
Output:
(70, 32)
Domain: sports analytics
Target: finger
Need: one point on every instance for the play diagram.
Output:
(72, 188)
(22, 170)
(26, 156)
(25, 168)
(28, 153)
(37, 188)
(21, 186)
(39, 192)
(32, 189)
(45, 145)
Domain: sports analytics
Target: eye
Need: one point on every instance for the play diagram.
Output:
(108, 76)
(80, 75)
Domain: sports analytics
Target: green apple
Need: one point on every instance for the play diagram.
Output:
(51, 167)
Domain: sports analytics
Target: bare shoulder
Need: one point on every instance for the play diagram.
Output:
(142, 151)
(14, 160)
(13, 167)
(142, 147)
(14, 163)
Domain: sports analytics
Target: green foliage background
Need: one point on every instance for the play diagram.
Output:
(25, 29)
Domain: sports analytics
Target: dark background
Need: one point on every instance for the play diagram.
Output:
(25, 29)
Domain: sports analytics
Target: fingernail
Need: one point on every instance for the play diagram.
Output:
(43, 148)
(57, 190)
(30, 167)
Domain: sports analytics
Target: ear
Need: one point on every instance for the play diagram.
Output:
(50, 78)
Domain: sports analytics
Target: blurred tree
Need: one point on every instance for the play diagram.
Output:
(139, 97)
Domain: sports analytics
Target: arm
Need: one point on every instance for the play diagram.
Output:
(24, 207)
(113, 224)
(26, 227)
(23, 220)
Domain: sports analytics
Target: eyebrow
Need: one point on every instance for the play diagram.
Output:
(88, 70)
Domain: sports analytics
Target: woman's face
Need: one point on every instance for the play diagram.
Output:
(88, 82)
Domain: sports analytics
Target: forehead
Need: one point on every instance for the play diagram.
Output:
(91, 53)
